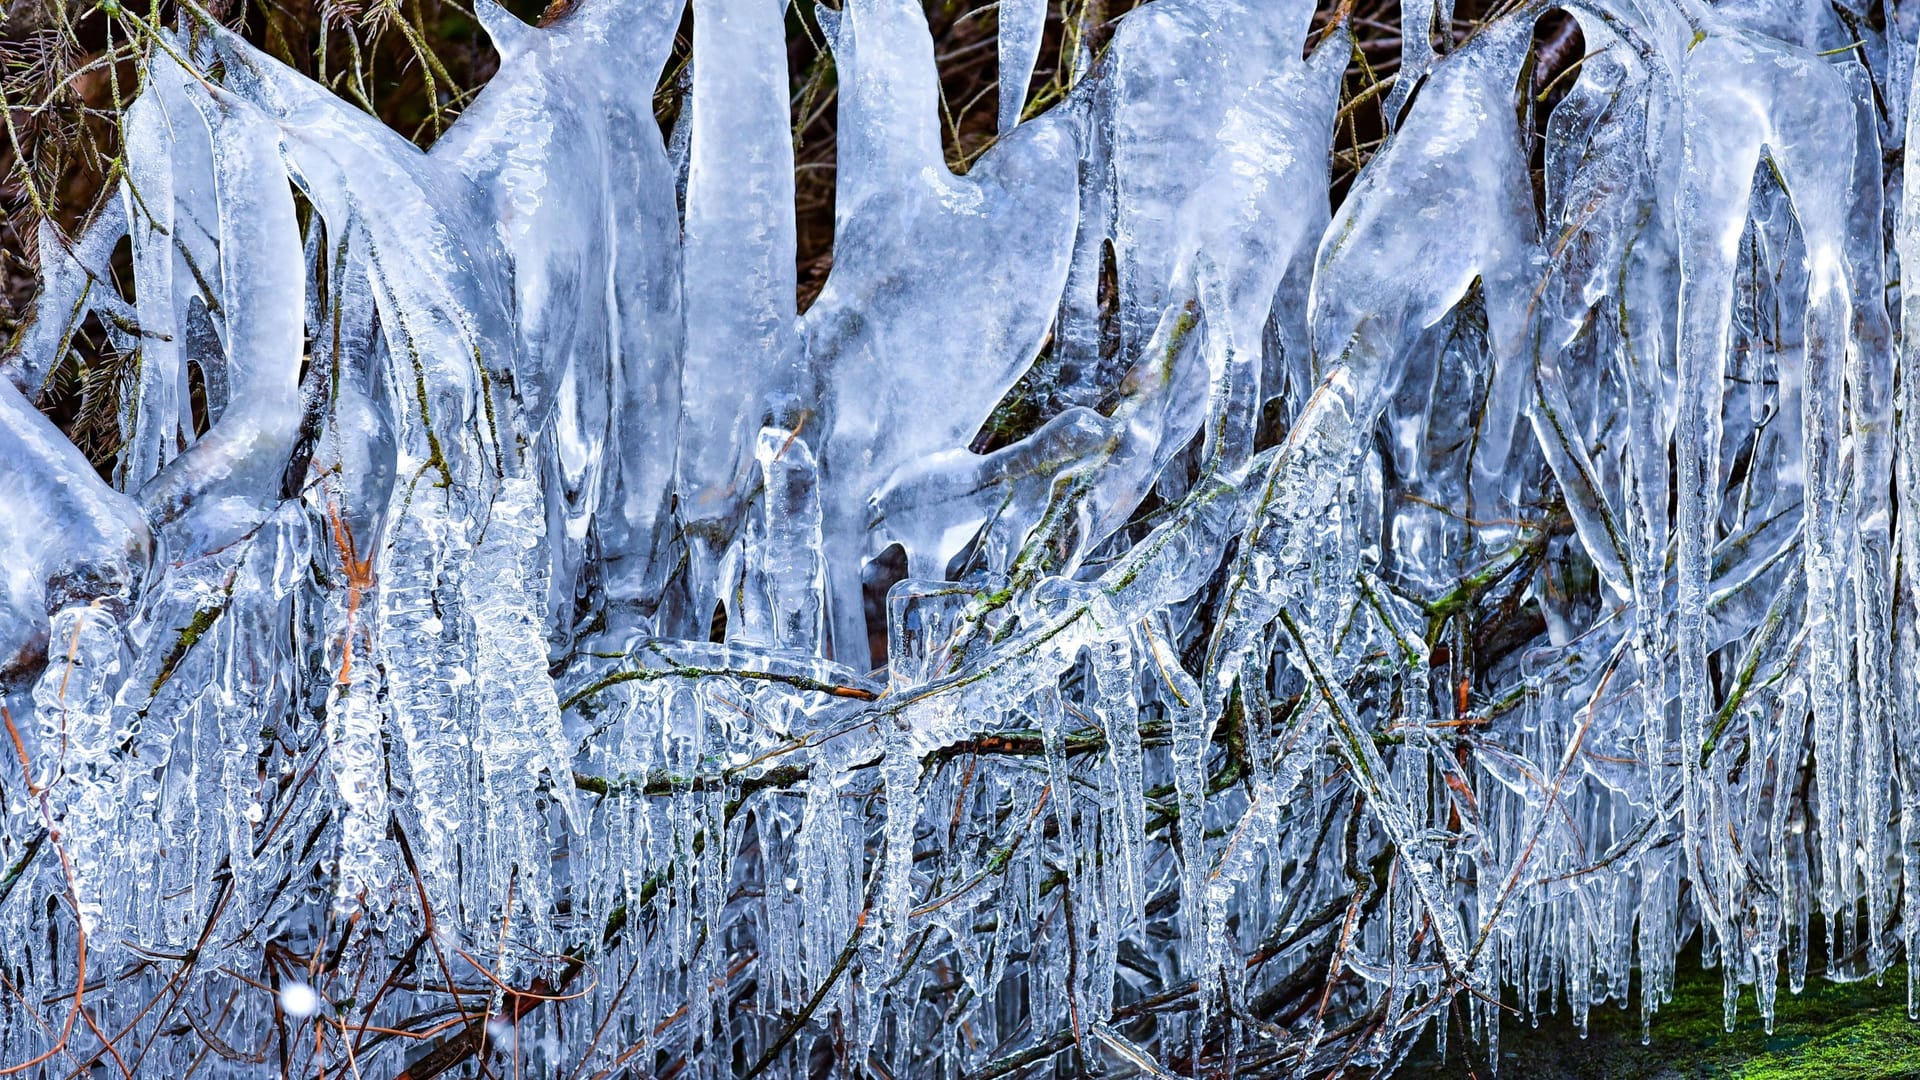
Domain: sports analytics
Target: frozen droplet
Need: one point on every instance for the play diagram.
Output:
(299, 1000)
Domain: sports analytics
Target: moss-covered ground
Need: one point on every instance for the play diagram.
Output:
(1829, 1030)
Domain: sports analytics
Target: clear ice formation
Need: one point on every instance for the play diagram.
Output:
(1459, 590)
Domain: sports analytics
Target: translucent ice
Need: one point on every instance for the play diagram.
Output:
(1339, 588)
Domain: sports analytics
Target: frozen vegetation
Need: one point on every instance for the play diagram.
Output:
(1398, 612)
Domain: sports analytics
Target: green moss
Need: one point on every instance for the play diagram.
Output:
(1854, 1029)
(1828, 1030)
(190, 635)
(1875, 1042)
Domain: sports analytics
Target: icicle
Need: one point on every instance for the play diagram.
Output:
(50, 491)
(73, 281)
(430, 679)
(523, 751)
(170, 162)
(227, 481)
(74, 700)
(1416, 53)
(1118, 709)
(743, 358)
(1906, 477)
(985, 253)
(1021, 23)
(789, 557)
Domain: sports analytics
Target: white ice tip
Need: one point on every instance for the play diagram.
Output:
(298, 1000)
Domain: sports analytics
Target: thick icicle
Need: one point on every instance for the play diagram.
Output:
(744, 366)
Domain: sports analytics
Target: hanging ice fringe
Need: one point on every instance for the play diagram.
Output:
(1464, 588)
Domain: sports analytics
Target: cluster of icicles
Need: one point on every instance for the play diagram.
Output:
(1481, 590)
